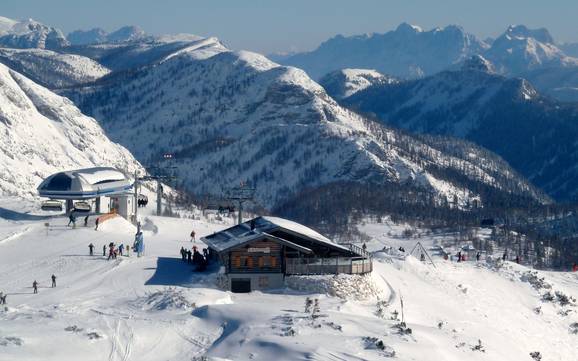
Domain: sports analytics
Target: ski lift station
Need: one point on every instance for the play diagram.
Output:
(106, 188)
(258, 254)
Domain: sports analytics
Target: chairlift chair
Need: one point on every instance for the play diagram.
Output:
(51, 205)
(82, 207)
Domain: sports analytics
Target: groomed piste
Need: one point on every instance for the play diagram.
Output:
(156, 308)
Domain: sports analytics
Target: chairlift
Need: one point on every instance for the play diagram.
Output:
(82, 207)
(51, 205)
(226, 210)
(142, 200)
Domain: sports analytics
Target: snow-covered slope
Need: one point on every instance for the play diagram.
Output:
(134, 54)
(407, 52)
(42, 133)
(52, 69)
(30, 34)
(346, 82)
(236, 116)
(536, 135)
(155, 308)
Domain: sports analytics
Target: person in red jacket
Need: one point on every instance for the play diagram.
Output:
(575, 267)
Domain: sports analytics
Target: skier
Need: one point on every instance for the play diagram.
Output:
(192, 235)
(575, 267)
(96, 222)
(422, 258)
(505, 256)
(517, 259)
(90, 249)
(459, 256)
(189, 256)
(183, 254)
(111, 251)
(364, 247)
(120, 249)
(35, 286)
(104, 250)
(53, 281)
(2, 298)
(478, 256)
(206, 253)
(86, 221)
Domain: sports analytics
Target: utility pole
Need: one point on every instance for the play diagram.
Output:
(159, 197)
(240, 194)
(136, 184)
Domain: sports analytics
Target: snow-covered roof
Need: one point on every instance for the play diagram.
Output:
(263, 227)
(84, 183)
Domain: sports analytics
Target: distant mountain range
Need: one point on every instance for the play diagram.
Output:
(232, 117)
(535, 134)
(99, 36)
(410, 52)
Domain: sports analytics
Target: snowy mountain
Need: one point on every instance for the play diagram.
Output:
(42, 133)
(126, 33)
(100, 36)
(410, 52)
(86, 37)
(346, 82)
(30, 34)
(52, 69)
(521, 49)
(407, 52)
(232, 117)
(536, 135)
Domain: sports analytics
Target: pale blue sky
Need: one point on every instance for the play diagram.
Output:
(269, 25)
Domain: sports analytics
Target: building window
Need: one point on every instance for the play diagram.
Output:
(273, 261)
(263, 282)
(237, 261)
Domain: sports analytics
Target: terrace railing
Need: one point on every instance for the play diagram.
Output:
(321, 266)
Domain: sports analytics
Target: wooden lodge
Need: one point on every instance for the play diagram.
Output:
(258, 254)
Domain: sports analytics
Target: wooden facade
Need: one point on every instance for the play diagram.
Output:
(263, 256)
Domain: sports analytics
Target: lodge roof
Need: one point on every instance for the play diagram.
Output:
(262, 228)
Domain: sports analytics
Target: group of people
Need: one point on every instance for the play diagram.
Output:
(114, 251)
(35, 284)
(122, 249)
(195, 257)
(72, 220)
(142, 202)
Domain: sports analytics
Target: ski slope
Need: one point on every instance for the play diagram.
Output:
(156, 308)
